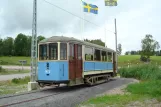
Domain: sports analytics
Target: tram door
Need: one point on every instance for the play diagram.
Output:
(75, 61)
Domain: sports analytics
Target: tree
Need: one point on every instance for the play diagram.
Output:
(149, 45)
(96, 41)
(119, 49)
(1, 47)
(21, 45)
(39, 38)
(8, 46)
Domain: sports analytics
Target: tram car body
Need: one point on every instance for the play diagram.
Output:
(71, 61)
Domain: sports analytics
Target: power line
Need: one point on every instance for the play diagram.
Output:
(73, 14)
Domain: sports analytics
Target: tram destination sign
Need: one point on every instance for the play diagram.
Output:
(110, 2)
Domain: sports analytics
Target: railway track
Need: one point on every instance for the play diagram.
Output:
(12, 100)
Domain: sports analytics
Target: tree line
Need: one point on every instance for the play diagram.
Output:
(133, 52)
(20, 46)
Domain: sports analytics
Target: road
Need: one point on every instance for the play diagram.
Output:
(12, 76)
(14, 67)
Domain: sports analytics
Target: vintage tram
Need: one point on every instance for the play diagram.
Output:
(66, 60)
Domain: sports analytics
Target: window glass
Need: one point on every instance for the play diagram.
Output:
(109, 55)
(79, 52)
(43, 52)
(88, 51)
(63, 51)
(71, 51)
(104, 56)
(53, 51)
(97, 55)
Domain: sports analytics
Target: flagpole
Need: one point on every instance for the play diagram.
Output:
(82, 20)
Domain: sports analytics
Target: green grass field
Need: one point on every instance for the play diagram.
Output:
(148, 88)
(13, 60)
(122, 60)
(135, 59)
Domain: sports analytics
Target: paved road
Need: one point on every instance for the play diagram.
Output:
(12, 76)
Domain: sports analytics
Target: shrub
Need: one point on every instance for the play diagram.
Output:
(142, 72)
(21, 80)
(1, 69)
(144, 59)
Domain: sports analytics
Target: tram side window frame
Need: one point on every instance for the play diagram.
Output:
(63, 51)
(104, 56)
(54, 55)
(109, 56)
(97, 55)
(71, 51)
(88, 53)
(42, 53)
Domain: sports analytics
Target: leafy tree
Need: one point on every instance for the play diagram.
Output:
(21, 45)
(148, 46)
(28, 51)
(96, 41)
(39, 38)
(8, 46)
(119, 49)
(1, 47)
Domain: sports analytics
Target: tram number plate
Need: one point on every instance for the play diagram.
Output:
(47, 71)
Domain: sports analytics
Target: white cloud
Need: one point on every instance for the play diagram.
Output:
(134, 20)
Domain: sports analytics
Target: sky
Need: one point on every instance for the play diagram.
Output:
(135, 19)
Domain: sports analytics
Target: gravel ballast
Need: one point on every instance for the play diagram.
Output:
(70, 97)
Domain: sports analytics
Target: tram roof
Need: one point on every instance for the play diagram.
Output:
(72, 40)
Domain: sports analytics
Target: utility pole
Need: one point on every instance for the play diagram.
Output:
(33, 84)
(116, 46)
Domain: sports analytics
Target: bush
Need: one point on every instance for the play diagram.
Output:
(142, 72)
(21, 80)
(1, 69)
(144, 59)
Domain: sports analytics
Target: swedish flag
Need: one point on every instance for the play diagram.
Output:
(90, 8)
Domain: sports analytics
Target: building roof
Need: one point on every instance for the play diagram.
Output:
(72, 40)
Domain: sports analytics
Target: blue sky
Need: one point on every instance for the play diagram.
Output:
(135, 19)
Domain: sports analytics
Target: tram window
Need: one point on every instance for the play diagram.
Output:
(104, 56)
(88, 53)
(79, 52)
(63, 51)
(97, 55)
(43, 52)
(109, 55)
(53, 50)
(71, 52)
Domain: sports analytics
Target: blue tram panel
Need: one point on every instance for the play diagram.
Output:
(53, 71)
(97, 66)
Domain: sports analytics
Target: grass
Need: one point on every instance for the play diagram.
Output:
(112, 100)
(148, 88)
(14, 60)
(16, 85)
(123, 60)
(141, 72)
(8, 72)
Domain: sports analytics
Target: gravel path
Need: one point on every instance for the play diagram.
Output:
(14, 67)
(10, 77)
(70, 96)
